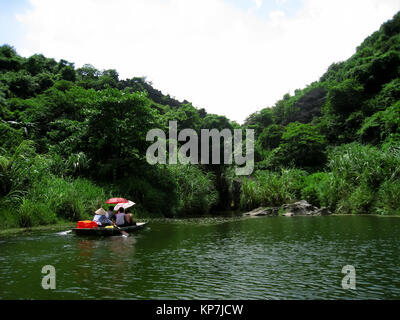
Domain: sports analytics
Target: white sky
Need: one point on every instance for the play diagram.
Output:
(231, 57)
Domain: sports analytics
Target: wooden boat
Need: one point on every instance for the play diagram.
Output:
(103, 231)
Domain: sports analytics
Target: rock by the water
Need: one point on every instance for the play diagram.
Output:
(323, 212)
(288, 214)
(303, 208)
(261, 212)
(300, 208)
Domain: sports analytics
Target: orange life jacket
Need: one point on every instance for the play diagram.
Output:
(86, 224)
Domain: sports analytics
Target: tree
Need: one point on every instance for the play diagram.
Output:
(68, 73)
(259, 120)
(345, 97)
(270, 137)
(381, 125)
(11, 138)
(9, 60)
(38, 63)
(116, 133)
(302, 145)
(21, 84)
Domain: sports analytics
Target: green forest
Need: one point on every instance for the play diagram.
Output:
(72, 137)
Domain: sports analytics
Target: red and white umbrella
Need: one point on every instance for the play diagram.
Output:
(116, 200)
(124, 205)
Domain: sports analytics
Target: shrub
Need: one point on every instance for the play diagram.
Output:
(153, 199)
(345, 97)
(358, 164)
(365, 178)
(360, 201)
(69, 199)
(195, 189)
(270, 137)
(302, 145)
(269, 188)
(317, 189)
(9, 217)
(20, 169)
(32, 213)
(381, 125)
(10, 137)
(388, 198)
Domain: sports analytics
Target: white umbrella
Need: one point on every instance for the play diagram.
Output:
(124, 205)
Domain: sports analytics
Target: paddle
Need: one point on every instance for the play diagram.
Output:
(63, 233)
(124, 233)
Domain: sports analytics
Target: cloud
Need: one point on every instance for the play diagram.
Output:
(209, 52)
(258, 3)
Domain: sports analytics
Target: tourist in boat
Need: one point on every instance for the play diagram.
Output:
(129, 218)
(124, 219)
(101, 219)
(110, 213)
(120, 218)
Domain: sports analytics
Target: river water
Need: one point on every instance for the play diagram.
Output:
(232, 258)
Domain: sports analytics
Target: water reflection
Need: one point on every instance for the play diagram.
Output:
(85, 247)
(122, 253)
(123, 247)
(266, 258)
(102, 260)
(118, 246)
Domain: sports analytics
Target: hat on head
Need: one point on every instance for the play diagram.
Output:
(100, 211)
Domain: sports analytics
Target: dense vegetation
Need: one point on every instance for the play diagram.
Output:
(336, 142)
(71, 137)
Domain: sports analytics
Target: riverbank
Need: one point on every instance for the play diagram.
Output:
(51, 227)
(203, 220)
(64, 226)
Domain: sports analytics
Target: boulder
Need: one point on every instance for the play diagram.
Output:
(322, 212)
(261, 212)
(303, 208)
(300, 208)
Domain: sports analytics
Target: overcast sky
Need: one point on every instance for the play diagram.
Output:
(231, 57)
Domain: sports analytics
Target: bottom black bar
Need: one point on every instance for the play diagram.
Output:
(208, 309)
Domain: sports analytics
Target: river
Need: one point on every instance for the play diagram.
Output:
(212, 258)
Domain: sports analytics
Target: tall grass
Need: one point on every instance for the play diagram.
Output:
(365, 178)
(33, 213)
(8, 217)
(19, 170)
(360, 179)
(268, 188)
(196, 191)
(388, 198)
(317, 189)
(69, 199)
(33, 195)
(53, 200)
(168, 191)
(151, 198)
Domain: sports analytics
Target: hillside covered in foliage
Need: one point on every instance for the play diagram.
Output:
(336, 142)
(71, 137)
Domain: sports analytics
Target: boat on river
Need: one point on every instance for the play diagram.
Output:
(108, 231)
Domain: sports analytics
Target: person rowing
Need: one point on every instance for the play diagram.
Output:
(101, 219)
